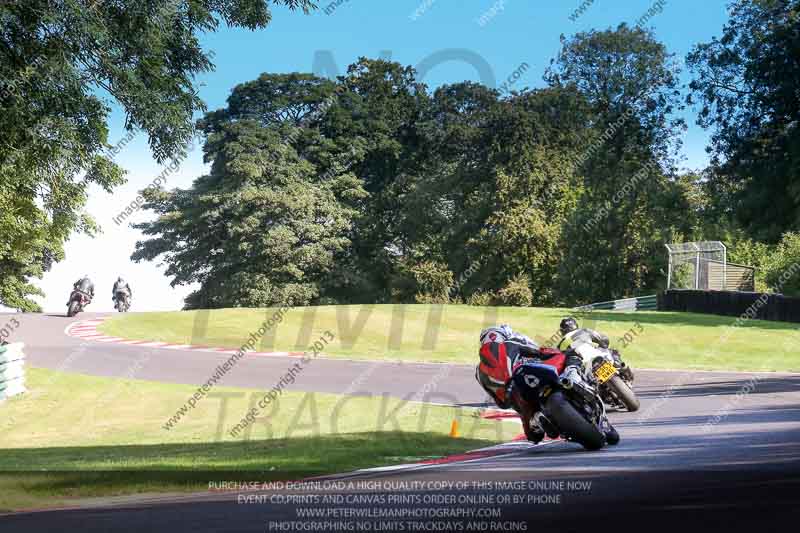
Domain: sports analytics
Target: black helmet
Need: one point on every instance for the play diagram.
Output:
(568, 324)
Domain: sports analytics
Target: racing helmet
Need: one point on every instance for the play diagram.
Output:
(496, 334)
(568, 324)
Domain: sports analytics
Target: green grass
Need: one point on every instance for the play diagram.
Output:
(414, 333)
(74, 436)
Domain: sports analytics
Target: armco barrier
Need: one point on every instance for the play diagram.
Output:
(12, 370)
(764, 306)
(641, 303)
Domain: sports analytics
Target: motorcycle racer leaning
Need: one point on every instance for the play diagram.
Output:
(84, 285)
(500, 349)
(581, 340)
(121, 286)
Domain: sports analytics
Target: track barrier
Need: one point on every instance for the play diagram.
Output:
(12, 370)
(763, 306)
(640, 303)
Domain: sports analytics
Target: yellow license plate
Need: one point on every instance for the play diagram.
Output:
(605, 372)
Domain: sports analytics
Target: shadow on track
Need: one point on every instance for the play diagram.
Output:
(749, 384)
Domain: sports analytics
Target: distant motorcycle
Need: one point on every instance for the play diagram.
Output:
(612, 378)
(569, 407)
(122, 301)
(77, 301)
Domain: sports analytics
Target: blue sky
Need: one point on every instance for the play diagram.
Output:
(500, 34)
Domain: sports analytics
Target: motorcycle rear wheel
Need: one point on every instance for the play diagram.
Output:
(572, 424)
(624, 393)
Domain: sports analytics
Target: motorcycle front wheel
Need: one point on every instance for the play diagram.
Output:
(572, 424)
(624, 393)
(72, 310)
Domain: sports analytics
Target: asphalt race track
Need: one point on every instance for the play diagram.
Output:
(672, 470)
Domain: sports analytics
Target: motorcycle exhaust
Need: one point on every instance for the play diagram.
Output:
(573, 382)
(569, 379)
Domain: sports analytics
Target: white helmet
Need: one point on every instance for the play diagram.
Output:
(499, 333)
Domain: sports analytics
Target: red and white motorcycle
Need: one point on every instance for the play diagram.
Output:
(77, 301)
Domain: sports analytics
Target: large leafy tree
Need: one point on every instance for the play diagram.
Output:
(497, 182)
(746, 83)
(264, 227)
(493, 182)
(63, 63)
(533, 188)
(443, 205)
(613, 239)
(375, 126)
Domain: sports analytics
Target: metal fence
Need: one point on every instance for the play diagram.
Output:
(688, 266)
(640, 303)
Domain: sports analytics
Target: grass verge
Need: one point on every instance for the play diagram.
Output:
(449, 333)
(74, 436)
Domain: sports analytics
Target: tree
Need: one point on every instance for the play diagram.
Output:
(746, 83)
(612, 239)
(442, 205)
(782, 272)
(263, 228)
(745, 251)
(62, 64)
(493, 184)
(375, 122)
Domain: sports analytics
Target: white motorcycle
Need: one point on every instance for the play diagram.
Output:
(605, 370)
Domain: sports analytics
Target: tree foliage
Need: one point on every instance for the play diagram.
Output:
(747, 85)
(782, 271)
(631, 200)
(264, 226)
(450, 193)
(63, 64)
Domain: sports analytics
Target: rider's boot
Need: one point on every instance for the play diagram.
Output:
(533, 431)
(612, 437)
